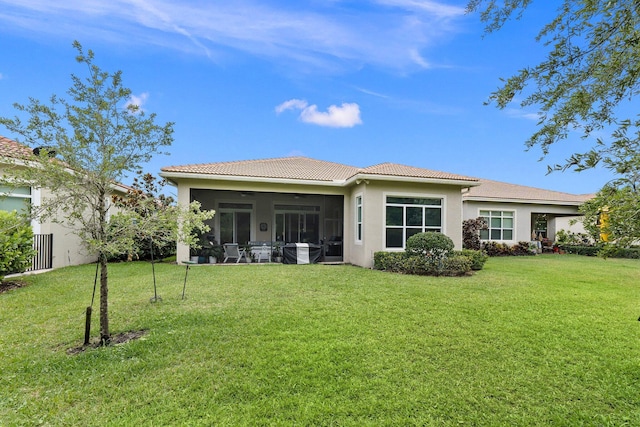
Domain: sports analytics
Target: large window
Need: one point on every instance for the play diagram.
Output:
(406, 216)
(358, 218)
(15, 199)
(500, 225)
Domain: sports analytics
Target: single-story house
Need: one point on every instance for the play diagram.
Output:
(354, 212)
(56, 244)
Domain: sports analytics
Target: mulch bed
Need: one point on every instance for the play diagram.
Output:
(121, 338)
(8, 286)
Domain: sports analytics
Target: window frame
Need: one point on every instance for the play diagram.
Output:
(424, 227)
(359, 218)
(501, 229)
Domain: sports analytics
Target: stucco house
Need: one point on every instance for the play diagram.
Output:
(354, 212)
(56, 244)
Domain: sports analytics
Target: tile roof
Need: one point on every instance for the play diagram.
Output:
(393, 169)
(495, 190)
(10, 148)
(304, 168)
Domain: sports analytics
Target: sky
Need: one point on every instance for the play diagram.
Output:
(354, 82)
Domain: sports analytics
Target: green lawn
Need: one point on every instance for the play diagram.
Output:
(546, 340)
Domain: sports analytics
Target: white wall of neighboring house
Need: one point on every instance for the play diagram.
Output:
(566, 224)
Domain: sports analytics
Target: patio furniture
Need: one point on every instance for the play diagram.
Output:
(301, 253)
(233, 251)
(262, 252)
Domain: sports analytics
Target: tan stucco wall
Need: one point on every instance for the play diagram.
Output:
(374, 199)
(522, 215)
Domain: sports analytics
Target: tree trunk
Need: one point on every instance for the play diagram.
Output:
(105, 337)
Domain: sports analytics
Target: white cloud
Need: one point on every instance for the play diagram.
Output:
(345, 116)
(316, 36)
(291, 104)
(137, 101)
(522, 114)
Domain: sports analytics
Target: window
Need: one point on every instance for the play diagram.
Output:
(15, 199)
(500, 225)
(406, 216)
(235, 222)
(358, 218)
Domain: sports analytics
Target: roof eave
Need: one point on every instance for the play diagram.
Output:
(172, 176)
(376, 177)
(523, 201)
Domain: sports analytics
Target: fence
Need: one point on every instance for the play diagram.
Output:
(43, 259)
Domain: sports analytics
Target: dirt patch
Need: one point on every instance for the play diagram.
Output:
(121, 338)
(8, 286)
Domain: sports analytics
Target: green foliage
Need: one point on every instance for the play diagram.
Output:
(590, 74)
(429, 244)
(564, 237)
(16, 244)
(471, 232)
(400, 262)
(614, 212)
(98, 136)
(388, 261)
(148, 218)
(476, 257)
(502, 249)
(581, 249)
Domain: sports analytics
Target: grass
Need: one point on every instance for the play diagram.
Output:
(546, 340)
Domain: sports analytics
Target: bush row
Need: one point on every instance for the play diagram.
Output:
(458, 263)
(502, 249)
(608, 251)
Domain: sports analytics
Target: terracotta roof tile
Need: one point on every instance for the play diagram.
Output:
(304, 168)
(393, 169)
(501, 190)
(10, 148)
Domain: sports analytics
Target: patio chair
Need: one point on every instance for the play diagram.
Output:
(233, 251)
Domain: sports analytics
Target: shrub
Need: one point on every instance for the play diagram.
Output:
(457, 265)
(471, 233)
(389, 261)
(419, 265)
(430, 244)
(581, 249)
(16, 244)
(477, 258)
(502, 249)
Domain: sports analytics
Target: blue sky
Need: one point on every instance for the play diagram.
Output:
(354, 82)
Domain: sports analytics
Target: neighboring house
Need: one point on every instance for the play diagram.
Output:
(516, 213)
(363, 210)
(59, 246)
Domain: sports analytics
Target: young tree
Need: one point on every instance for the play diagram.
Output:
(153, 220)
(97, 137)
(591, 72)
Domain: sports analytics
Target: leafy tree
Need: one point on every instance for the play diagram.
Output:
(16, 240)
(146, 200)
(97, 137)
(613, 216)
(592, 70)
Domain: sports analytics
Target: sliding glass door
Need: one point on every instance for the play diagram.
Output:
(235, 222)
(297, 224)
